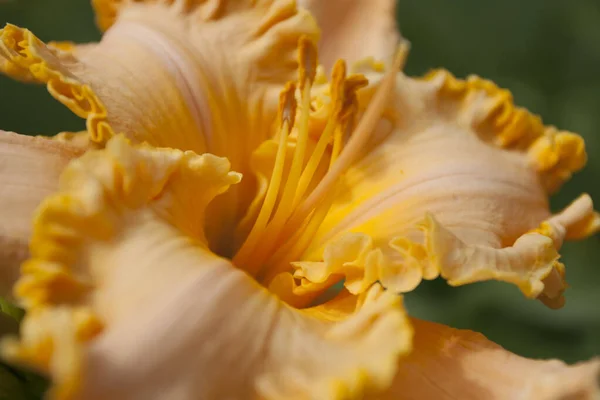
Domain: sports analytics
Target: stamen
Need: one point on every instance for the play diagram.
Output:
(357, 141)
(337, 146)
(308, 65)
(288, 105)
(347, 114)
(313, 161)
(299, 242)
(307, 59)
(288, 220)
(287, 114)
(337, 99)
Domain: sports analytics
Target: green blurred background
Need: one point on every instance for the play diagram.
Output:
(547, 52)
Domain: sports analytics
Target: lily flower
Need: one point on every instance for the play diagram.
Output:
(233, 224)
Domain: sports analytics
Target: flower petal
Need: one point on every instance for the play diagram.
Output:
(124, 299)
(221, 336)
(201, 77)
(79, 139)
(29, 170)
(193, 75)
(352, 30)
(25, 57)
(448, 363)
(455, 182)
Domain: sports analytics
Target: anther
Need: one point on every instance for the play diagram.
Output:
(287, 104)
(308, 61)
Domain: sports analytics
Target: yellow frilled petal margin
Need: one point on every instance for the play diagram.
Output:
(27, 58)
(194, 75)
(454, 183)
(29, 171)
(124, 299)
(555, 155)
(79, 139)
(201, 76)
(107, 11)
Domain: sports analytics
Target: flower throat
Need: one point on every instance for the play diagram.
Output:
(302, 185)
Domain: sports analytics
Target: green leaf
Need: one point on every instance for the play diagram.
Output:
(10, 309)
(16, 382)
(12, 387)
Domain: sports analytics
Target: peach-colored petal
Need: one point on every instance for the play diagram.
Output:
(221, 336)
(29, 170)
(453, 364)
(355, 29)
(125, 300)
(455, 181)
(200, 76)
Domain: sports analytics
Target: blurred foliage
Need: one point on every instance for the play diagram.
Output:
(547, 52)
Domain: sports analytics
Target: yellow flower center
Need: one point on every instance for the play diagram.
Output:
(303, 182)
